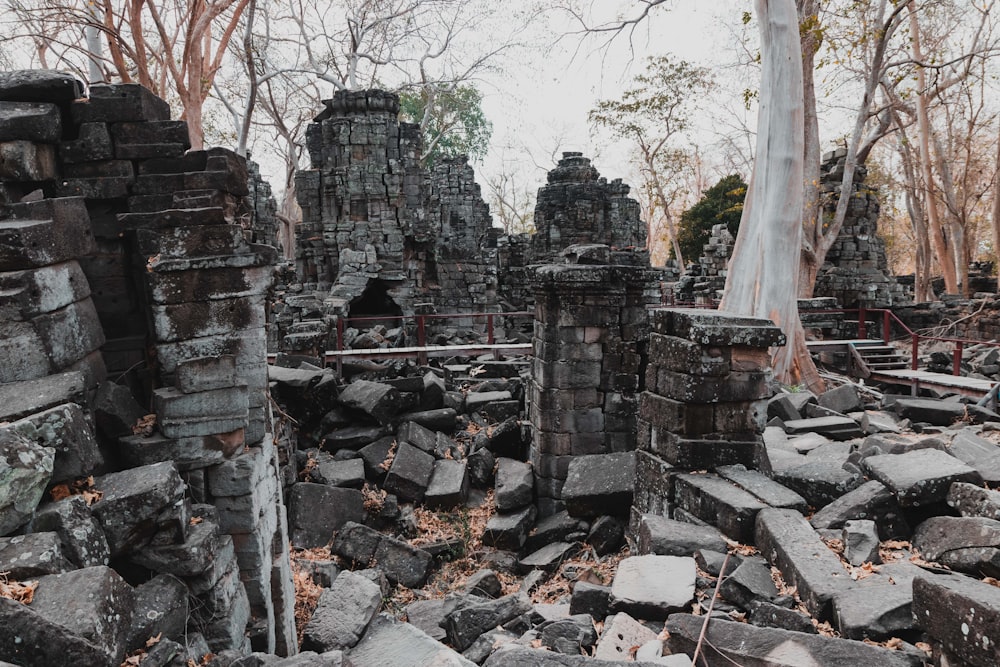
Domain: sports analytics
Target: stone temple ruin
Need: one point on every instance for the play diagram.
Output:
(168, 497)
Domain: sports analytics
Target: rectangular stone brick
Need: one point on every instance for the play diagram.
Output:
(27, 161)
(45, 289)
(210, 317)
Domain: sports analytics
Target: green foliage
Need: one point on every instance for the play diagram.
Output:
(451, 120)
(721, 203)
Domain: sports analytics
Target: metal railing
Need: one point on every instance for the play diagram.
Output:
(421, 325)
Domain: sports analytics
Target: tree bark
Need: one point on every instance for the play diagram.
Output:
(761, 279)
(811, 205)
(939, 240)
(996, 209)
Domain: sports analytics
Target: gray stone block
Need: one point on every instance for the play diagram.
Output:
(343, 613)
(919, 477)
(449, 484)
(600, 484)
(25, 471)
(66, 430)
(968, 632)
(653, 587)
(410, 473)
(133, 502)
(81, 536)
(514, 485)
(665, 537)
(23, 557)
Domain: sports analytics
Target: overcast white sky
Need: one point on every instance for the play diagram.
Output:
(542, 102)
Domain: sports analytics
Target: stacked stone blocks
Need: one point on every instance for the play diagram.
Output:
(706, 388)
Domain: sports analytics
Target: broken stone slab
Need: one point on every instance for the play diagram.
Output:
(420, 437)
(25, 471)
(189, 558)
(132, 502)
(727, 642)
(23, 557)
(978, 453)
(81, 616)
(410, 473)
(342, 614)
(842, 399)
(379, 401)
(187, 453)
(514, 654)
(600, 484)
(789, 543)
(348, 473)
(751, 580)
(442, 420)
(666, 537)
(466, 623)
(872, 500)
(965, 544)
(621, 634)
(861, 542)
(875, 611)
(835, 428)
(428, 615)
(720, 503)
(653, 587)
(973, 500)
(606, 535)
(820, 482)
(206, 374)
(879, 422)
(121, 102)
(21, 399)
(763, 487)
(203, 413)
(509, 531)
(403, 563)
(81, 536)
(514, 484)
(161, 608)
(548, 558)
(767, 615)
(588, 598)
(573, 635)
(376, 457)
(32, 243)
(971, 624)
(930, 411)
(39, 85)
(317, 511)
(30, 121)
(390, 642)
(449, 484)
(27, 161)
(919, 477)
(66, 430)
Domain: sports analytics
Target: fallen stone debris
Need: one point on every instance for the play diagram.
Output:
(636, 490)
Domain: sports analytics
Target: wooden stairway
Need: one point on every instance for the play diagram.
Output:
(870, 357)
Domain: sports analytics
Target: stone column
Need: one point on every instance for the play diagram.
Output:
(705, 400)
(590, 325)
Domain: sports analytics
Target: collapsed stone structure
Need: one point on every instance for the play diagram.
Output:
(124, 256)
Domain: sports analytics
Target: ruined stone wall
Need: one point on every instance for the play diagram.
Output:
(263, 226)
(856, 271)
(168, 293)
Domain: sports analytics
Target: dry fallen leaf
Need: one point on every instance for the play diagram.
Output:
(145, 425)
(153, 641)
(195, 520)
(19, 591)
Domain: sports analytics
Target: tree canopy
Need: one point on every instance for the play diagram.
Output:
(720, 204)
(452, 122)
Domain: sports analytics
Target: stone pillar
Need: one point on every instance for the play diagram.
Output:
(590, 327)
(705, 400)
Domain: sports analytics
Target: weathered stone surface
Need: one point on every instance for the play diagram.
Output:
(410, 473)
(343, 613)
(20, 399)
(203, 413)
(978, 453)
(403, 563)
(835, 428)
(929, 410)
(919, 477)
(606, 535)
(349, 473)
(30, 121)
(711, 329)
(25, 470)
(788, 542)
(842, 399)
(389, 642)
(449, 484)
(666, 537)
(132, 503)
(653, 587)
(466, 623)
(428, 615)
(317, 511)
(484, 583)
(872, 500)
(27, 242)
(750, 581)
(513, 654)
(590, 599)
(753, 646)
(973, 500)
(965, 544)
(971, 624)
(39, 85)
(514, 485)
(573, 635)
(875, 611)
(189, 558)
(600, 484)
(81, 536)
(861, 543)
(23, 557)
(81, 616)
(763, 488)
(719, 502)
(161, 606)
(509, 531)
(64, 428)
(820, 482)
(547, 559)
(120, 102)
(767, 615)
(621, 634)
(380, 401)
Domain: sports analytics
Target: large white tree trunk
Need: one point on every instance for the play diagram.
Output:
(763, 272)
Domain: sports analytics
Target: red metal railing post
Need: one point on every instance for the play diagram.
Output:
(422, 339)
(914, 351)
(862, 325)
(956, 358)
(339, 346)
(886, 326)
